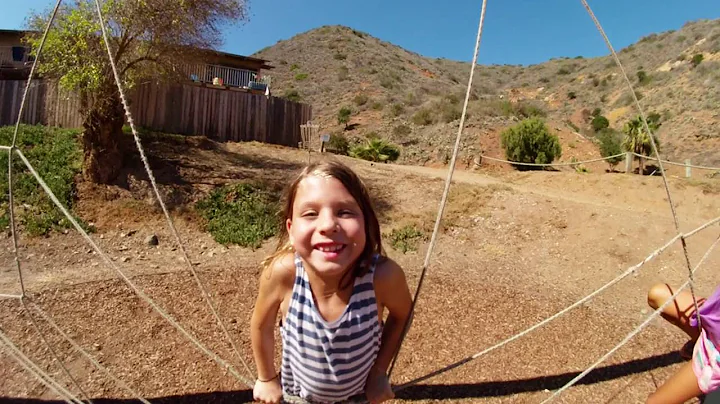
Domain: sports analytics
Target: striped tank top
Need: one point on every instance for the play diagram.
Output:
(329, 361)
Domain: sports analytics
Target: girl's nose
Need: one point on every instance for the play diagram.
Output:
(327, 222)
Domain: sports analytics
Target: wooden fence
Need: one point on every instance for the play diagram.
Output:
(219, 114)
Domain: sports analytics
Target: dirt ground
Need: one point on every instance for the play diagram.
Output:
(515, 248)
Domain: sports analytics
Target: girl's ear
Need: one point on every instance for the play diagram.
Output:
(288, 227)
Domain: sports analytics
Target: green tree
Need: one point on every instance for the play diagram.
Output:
(697, 59)
(637, 139)
(530, 141)
(343, 116)
(150, 40)
(376, 149)
(610, 145)
(599, 123)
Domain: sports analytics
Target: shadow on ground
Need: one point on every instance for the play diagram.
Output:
(436, 391)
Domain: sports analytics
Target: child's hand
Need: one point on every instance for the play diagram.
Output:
(267, 392)
(377, 387)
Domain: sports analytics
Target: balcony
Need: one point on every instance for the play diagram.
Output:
(227, 76)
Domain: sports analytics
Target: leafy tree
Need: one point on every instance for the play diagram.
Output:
(150, 40)
(637, 139)
(376, 149)
(599, 123)
(610, 145)
(343, 116)
(530, 141)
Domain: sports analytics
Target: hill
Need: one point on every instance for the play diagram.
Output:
(416, 101)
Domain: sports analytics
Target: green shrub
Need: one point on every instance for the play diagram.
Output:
(423, 117)
(338, 144)
(343, 115)
(301, 76)
(56, 155)
(643, 77)
(610, 145)
(377, 105)
(377, 150)
(294, 67)
(530, 141)
(406, 238)
(599, 123)
(360, 99)
(242, 214)
(571, 95)
(697, 59)
(292, 94)
(339, 56)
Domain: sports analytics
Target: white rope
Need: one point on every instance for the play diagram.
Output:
(31, 367)
(53, 353)
(446, 191)
(678, 164)
(521, 334)
(552, 164)
(87, 355)
(181, 246)
(634, 332)
(655, 151)
(6, 296)
(37, 375)
(125, 278)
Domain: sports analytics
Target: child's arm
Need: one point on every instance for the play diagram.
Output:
(391, 291)
(275, 282)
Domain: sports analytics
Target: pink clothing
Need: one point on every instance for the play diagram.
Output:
(706, 363)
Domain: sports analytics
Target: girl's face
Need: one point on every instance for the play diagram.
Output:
(327, 226)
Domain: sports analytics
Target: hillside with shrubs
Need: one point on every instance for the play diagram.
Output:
(370, 94)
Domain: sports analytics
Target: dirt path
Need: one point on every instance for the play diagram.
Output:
(514, 249)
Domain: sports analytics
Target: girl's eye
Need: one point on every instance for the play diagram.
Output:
(347, 213)
(309, 214)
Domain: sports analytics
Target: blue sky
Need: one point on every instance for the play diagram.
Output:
(516, 31)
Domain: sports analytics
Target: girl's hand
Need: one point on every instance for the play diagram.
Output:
(267, 392)
(377, 387)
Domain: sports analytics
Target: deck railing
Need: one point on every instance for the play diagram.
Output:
(226, 76)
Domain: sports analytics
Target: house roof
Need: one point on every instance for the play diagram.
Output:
(264, 63)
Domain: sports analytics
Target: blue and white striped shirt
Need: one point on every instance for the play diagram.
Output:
(329, 361)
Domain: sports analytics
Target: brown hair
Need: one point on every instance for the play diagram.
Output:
(356, 188)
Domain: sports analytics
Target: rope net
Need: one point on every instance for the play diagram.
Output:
(71, 397)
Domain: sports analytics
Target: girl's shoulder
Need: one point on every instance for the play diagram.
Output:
(280, 272)
(388, 274)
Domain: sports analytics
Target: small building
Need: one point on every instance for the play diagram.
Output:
(217, 68)
(15, 58)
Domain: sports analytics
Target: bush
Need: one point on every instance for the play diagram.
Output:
(301, 76)
(643, 77)
(571, 95)
(530, 141)
(240, 214)
(343, 115)
(610, 145)
(56, 155)
(697, 59)
(338, 144)
(406, 238)
(360, 99)
(423, 117)
(339, 56)
(292, 94)
(377, 150)
(599, 123)
(343, 73)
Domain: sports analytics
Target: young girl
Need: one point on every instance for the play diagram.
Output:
(702, 374)
(331, 284)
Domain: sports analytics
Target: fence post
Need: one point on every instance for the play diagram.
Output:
(628, 162)
(688, 169)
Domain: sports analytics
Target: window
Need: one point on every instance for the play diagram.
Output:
(18, 53)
